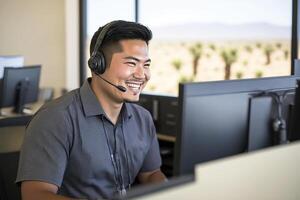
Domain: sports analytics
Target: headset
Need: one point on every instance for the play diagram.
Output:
(97, 61)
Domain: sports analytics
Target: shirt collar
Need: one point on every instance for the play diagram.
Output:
(126, 111)
(90, 103)
(92, 106)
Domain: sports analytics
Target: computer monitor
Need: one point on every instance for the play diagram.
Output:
(294, 132)
(19, 86)
(214, 118)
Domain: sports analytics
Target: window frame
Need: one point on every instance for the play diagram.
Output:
(83, 34)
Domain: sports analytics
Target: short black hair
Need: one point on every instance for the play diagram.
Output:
(121, 30)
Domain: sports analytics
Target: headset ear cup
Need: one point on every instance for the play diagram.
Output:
(101, 62)
(92, 63)
(97, 63)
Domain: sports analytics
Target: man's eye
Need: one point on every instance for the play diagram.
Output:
(147, 65)
(131, 64)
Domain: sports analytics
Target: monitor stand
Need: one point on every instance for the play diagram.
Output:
(259, 130)
(21, 93)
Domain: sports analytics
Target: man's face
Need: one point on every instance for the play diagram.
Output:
(130, 69)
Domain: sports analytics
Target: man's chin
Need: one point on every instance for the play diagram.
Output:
(133, 99)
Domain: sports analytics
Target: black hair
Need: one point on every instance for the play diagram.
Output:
(122, 30)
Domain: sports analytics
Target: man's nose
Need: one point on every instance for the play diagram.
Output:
(139, 72)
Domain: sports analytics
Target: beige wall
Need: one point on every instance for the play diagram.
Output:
(72, 43)
(36, 30)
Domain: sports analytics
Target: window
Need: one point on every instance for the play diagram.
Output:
(204, 40)
(101, 12)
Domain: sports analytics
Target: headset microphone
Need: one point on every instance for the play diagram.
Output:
(119, 87)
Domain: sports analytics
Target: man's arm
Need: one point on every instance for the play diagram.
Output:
(155, 176)
(37, 190)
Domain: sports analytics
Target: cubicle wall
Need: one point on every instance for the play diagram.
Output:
(164, 111)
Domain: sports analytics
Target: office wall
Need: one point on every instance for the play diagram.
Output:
(72, 43)
(37, 30)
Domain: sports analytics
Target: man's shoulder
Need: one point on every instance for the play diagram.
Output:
(60, 106)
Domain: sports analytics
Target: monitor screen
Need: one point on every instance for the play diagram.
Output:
(10, 61)
(19, 86)
(214, 118)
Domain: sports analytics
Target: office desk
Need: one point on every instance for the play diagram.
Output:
(13, 119)
(12, 128)
(11, 138)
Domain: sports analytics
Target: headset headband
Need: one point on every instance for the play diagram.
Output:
(101, 36)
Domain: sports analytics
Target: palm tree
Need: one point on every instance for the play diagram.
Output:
(229, 56)
(286, 54)
(177, 63)
(268, 50)
(186, 79)
(278, 45)
(258, 74)
(196, 52)
(258, 45)
(239, 75)
(212, 47)
(248, 48)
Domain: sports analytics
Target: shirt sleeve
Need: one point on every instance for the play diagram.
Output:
(152, 160)
(45, 149)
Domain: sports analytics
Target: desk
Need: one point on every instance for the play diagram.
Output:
(12, 119)
(12, 128)
(167, 138)
(11, 138)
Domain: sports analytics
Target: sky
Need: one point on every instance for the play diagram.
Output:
(172, 12)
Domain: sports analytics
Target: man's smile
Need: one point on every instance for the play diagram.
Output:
(134, 85)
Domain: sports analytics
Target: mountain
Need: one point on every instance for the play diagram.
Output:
(212, 31)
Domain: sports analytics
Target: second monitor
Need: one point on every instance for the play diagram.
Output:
(219, 119)
(19, 86)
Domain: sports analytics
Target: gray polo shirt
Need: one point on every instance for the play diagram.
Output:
(70, 140)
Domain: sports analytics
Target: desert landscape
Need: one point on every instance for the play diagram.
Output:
(196, 52)
(193, 61)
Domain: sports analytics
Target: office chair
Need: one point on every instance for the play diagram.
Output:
(3, 195)
(8, 173)
(11, 138)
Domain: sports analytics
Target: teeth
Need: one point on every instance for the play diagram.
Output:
(134, 84)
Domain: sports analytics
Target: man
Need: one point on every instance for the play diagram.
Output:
(91, 143)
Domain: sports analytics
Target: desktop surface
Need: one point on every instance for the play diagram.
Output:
(9, 118)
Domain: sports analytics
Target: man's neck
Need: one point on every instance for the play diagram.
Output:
(111, 108)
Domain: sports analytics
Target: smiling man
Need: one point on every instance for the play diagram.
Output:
(92, 142)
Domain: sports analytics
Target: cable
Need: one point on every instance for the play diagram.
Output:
(118, 188)
(279, 123)
(126, 155)
(116, 162)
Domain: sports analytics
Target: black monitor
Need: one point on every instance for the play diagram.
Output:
(148, 189)
(294, 132)
(215, 118)
(19, 86)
